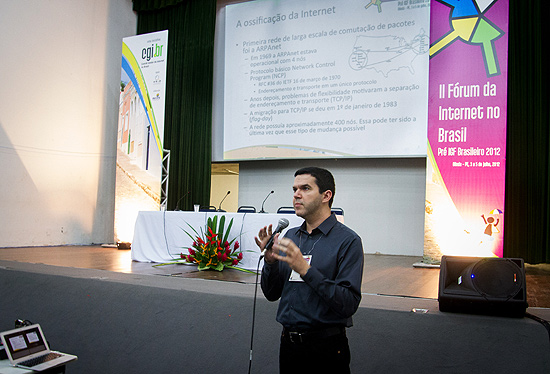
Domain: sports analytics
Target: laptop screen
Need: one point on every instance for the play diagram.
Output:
(25, 342)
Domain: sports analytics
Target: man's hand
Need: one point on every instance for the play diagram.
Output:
(262, 239)
(293, 258)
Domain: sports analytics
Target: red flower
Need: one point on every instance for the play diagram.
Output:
(236, 245)
(182, 255)
(191, 252)
(224, 258)
(235, 262)
(240, 256)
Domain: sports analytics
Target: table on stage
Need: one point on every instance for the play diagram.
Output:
(161, 236)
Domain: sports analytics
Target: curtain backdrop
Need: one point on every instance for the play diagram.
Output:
(189, 108)
(188, 114)
(527, 210)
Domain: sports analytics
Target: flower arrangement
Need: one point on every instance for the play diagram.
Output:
(212, 248)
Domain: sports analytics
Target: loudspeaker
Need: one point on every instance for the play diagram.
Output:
(478, 285)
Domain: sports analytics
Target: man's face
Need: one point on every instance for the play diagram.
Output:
(307, 199)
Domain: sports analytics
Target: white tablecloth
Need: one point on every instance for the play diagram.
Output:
(161, 237)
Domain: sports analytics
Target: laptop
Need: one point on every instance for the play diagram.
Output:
(27, 348)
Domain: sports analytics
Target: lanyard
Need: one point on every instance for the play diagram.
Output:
(313, 247)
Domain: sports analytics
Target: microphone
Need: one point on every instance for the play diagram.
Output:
(179, 201)
(283, 224)
(220, 206)
(263, 211)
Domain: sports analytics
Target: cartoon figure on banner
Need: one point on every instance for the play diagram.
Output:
(491, 225)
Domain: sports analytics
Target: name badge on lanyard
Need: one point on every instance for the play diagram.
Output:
(294, 276)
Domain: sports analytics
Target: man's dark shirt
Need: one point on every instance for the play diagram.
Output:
(331, 291)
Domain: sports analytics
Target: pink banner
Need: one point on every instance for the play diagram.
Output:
(466, 128)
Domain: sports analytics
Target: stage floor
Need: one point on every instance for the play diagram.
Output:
(383, 274)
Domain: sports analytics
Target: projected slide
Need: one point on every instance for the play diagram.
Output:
(326, 78)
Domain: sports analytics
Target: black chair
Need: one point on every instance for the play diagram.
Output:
(337, 211)
(246, 209)
(286, 210)
(208, 209)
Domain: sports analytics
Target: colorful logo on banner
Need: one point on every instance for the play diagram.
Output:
(466, 128)
(131, 67)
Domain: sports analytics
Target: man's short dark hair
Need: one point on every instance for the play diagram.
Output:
(323, 178)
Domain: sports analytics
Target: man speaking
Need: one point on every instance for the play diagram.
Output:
(316, 272)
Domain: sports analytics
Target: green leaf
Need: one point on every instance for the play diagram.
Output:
(220, 228)
(208, 225)
(240, 269)
(203, 267)
(192, 228)
(172, 262)
(214, 225)
(228, 231)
